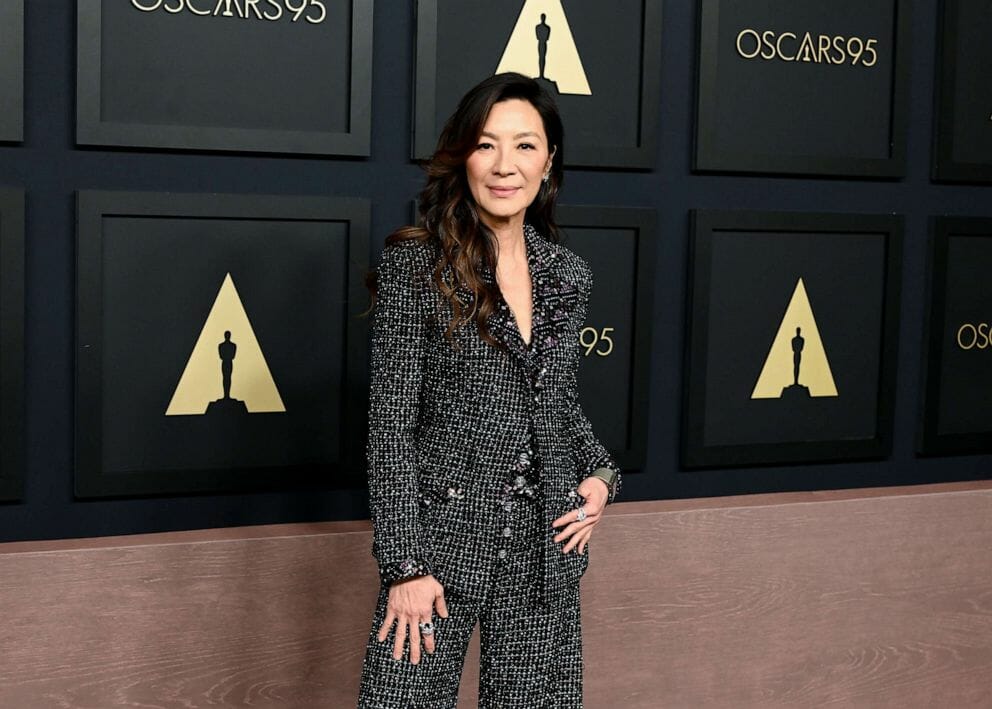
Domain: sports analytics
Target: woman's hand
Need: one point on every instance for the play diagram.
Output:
(596, 492)
(412, 601)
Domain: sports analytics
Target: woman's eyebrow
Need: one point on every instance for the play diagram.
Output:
(518, 136)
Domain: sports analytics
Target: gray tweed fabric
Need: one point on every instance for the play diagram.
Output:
(455, 431)
(531, 652)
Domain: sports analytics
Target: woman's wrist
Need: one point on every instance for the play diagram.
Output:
(610, 477)
(405, 569)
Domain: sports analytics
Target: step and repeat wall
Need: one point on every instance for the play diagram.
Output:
(785, 205)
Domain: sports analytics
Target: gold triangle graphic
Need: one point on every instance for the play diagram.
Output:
(542, 27)
(204, 377)
(790, 345)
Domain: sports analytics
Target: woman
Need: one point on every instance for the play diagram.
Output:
(485, 478)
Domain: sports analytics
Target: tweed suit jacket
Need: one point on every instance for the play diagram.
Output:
(446, 422)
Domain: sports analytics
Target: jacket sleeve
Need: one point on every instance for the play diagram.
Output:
(396, 369)
(591, 454)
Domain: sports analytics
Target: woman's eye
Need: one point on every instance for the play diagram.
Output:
(527, 146)
(484, 146)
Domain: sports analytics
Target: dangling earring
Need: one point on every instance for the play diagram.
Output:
(546, 177)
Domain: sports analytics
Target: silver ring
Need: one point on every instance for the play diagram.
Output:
(582, 513)
(426, 628)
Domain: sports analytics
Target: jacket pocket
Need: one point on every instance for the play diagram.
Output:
(442, 499)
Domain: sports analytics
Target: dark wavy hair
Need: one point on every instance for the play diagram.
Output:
(449, 217)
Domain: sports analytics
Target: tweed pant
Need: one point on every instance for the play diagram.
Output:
(531, 654)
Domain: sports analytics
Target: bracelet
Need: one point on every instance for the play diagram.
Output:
(609, 477)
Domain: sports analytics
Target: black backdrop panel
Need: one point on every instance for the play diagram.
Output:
(163, 279)
(963, 145)
(619, 246)
(274, 81)
(602, 66)
(12, 70)
(774, 293)
(798, 86)
(957, 410)
(53, 166)
(11, 343)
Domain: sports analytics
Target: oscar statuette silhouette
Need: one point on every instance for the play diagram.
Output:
(796, 389)
(543, 33)
(227, 351)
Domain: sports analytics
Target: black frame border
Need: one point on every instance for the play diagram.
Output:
(92, 207)
(12, 398)
(12, 80)
(639, 157)
(929, 442)
(706, 158)
(644, 221)
(92, 130)
(944, 167)
(695, 454)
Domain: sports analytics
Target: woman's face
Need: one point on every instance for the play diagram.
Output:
(504, 171)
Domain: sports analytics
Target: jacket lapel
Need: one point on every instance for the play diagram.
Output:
(553, 300)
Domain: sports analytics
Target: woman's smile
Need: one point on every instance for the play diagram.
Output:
(500, 191)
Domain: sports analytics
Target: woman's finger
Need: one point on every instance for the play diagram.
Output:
(441, 604)
(414, 641)
(575, 527)
(568, 531)
(386, 625)
(428, 639)
(573, 515)
(586, 533)
(576, 538)
(576, 524)
(564, 533)
(592, 514)
(400, 639)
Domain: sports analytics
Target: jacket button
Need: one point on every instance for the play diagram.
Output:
(501, 553)
(507, 531)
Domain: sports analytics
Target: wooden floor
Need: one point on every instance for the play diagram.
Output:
(867, 598)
